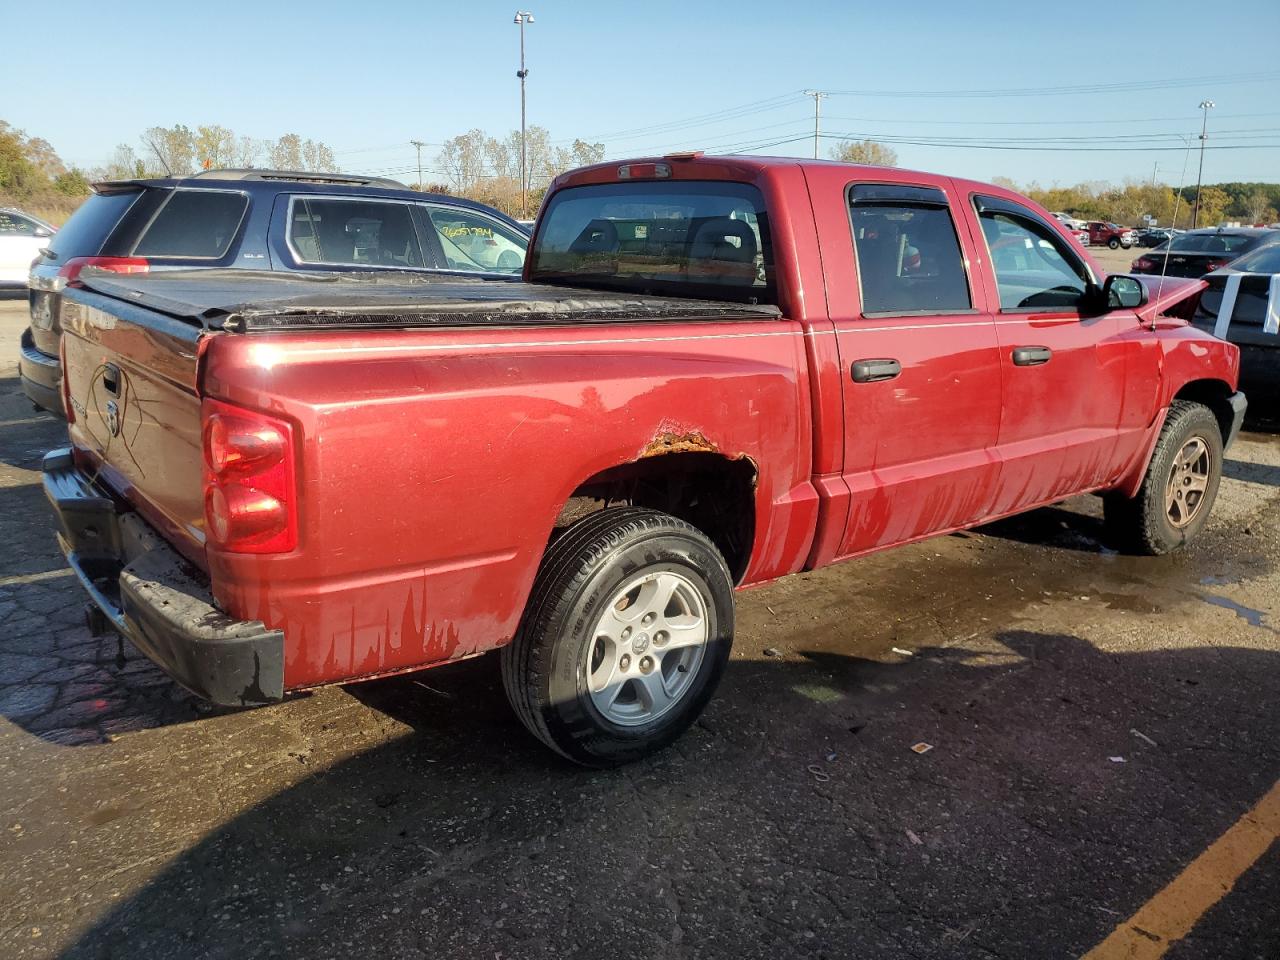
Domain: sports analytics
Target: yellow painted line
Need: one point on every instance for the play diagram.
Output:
(1169, 916)
(35, 577)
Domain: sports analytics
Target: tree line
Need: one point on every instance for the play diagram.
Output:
(35, 178)
(486, 168)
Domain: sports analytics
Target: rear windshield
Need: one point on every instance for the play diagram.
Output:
(1232, 243)
(194, 224)
(691, 238)
(84, 234)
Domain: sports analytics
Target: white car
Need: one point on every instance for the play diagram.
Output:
(1070, 222)
(21, 237)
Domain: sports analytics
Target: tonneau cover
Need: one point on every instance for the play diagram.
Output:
(245, 300)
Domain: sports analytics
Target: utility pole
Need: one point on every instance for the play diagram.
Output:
(817, 117)
(523, 17)
(1154, 170)
(419, 144)
(1206, 106)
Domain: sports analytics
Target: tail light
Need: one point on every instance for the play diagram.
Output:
(1215, 265)
(1142, 264)
(250, 494)
(70, 271)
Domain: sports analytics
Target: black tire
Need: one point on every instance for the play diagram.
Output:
(544, 669)
(1142, 524)
(1113, 243)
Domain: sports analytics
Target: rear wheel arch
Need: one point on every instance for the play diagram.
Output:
(708, 490)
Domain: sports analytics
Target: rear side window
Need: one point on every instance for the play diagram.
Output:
(357, 233)
(194, 224)
(476, 243)
(690, 238)
(909, 259)
(87, 230)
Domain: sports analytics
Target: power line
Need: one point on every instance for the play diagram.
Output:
(1124, 86)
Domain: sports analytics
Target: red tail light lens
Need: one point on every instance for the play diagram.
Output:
(70, 271)
(1215, 265)
(250, 496)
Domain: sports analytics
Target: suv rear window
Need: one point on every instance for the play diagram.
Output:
(690, 238)
(194, 224)
(1230, 243)
(84, 234)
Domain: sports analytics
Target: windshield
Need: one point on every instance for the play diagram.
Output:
(1229, 243)
(1264, 260)
(691, 238)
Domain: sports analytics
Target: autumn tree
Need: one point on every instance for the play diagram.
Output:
(864, 151)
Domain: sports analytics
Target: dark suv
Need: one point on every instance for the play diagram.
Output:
(257, 220)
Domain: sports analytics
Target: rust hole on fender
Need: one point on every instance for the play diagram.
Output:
(664, 443)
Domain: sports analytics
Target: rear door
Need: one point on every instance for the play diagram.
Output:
(918, 360)
(1063, 370)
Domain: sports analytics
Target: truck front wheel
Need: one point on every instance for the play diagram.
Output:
(627, 632)
(1177, 493)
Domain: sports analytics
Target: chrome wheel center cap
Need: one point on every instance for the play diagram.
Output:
(641, 643)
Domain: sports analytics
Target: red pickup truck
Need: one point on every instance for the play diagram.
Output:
(715, 372)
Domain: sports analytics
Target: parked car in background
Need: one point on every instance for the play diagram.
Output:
(720, 371)
(1241, 304)
(1079, 234)
(1197, 252)
(21, 237)
(1154, 236)
(1104, 233)
(1072, 223)
(257, 220)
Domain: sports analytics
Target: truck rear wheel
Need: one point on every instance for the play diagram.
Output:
(627, 632)
(1113, 243)
(1177, 493)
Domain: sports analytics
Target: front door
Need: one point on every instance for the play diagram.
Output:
(1063, 369)
(920, 367)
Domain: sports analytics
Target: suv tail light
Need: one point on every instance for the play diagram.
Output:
(1216, 265)
(70, 271)
(250, 494)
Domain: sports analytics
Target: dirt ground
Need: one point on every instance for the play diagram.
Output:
(1105, 750)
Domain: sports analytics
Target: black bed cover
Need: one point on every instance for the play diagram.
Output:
(247, 300)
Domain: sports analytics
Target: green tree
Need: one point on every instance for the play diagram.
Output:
(864, 151)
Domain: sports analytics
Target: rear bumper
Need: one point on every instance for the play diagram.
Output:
(41, 376)
(156, 599)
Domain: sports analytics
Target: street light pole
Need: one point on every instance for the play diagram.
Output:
(817, 117)
(1206, 106)
(523, 17)
(419, 144)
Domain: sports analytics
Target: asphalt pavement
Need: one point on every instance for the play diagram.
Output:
(1006, 743)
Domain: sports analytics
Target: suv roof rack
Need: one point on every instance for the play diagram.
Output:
(300, 175)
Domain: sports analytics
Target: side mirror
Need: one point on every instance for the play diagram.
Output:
(1122, 292)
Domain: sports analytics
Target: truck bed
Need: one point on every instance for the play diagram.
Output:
(244, 301)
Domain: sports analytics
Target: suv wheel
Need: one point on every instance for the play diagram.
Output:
(627, 632)
(1177, 493)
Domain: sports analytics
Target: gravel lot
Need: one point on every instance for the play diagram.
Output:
(1101, 726)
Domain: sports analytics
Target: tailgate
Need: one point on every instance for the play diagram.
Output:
(131, 380)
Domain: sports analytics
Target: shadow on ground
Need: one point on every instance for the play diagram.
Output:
(792, 820)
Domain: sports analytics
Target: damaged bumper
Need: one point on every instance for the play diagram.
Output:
(1238, 407)
(156, 599)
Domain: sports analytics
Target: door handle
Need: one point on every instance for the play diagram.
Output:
(873, 371)
(1031, 356)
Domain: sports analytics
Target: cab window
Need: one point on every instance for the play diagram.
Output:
(909, 260)
(1035, 269)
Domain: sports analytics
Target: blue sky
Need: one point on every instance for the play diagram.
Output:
(656, 76)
